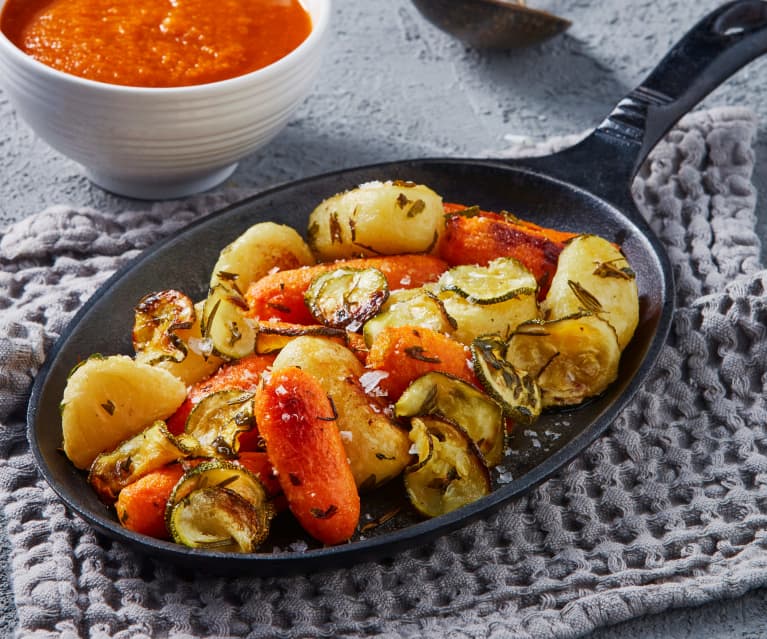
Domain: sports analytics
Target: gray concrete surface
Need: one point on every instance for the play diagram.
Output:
(393, 87)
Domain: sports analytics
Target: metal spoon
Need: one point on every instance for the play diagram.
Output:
(492, 24)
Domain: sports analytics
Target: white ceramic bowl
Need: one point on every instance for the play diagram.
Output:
(155, 143)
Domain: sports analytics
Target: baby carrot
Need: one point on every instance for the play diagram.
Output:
(297, 421)
(280, 295)
(140, 506)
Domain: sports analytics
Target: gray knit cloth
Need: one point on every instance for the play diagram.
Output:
(668, 508)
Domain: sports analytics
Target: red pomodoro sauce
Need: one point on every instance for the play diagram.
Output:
(156, 43)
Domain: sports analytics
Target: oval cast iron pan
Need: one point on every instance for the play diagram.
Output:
(584, 188)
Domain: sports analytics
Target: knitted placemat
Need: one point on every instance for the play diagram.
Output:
(667, 509)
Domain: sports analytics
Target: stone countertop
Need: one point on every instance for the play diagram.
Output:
(393, 87)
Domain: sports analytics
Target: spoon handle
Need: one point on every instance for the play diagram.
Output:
(710, 52)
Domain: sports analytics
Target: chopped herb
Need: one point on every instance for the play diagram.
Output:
(381, 520)
(589, 302)
(418, 353)
(278, 307)
(419, 206)
(402, 201)
(109, 406)
(336, 233)
(234, 334)
(318, 513)
(608, 269)
(334, 416)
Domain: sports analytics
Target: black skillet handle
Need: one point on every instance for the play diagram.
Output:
(714, 49)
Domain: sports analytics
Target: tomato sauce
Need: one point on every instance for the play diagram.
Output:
(156, 43)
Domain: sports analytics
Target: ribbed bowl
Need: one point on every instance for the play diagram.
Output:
(157, 143)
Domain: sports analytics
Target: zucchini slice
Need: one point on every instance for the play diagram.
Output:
(219, 505)
(502, 279)
(571, 359)
(450, 471)
(231, 334)
(218, 519)
(444, 395)
(410, 307)
(347, 297)
(515, 390)
(274, 336)
(157, 317)
(151, 449)
(217, 420)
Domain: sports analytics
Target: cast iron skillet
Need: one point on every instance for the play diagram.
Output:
(584, 188)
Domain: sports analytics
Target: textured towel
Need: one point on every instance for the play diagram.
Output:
(667, 509)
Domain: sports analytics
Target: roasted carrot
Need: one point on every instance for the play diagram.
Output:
(244, 374)
(485, 236)
(297, 420)
(407, 352)
(140, 506)
(280, 295)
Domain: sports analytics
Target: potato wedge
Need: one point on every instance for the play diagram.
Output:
(108, 400)
(377, 448)
(593, 275)
(377, 218)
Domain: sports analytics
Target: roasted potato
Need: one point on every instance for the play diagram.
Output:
(593, 275)
(377, 448)
(108, 400)
(377, 218)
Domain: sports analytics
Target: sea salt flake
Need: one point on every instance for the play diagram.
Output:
(371, 379)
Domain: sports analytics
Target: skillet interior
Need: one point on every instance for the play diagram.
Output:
(185, 262)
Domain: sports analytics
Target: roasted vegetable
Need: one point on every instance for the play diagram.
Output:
(515, 390)
(410, 307)
(376, 447)
(218, 420)
(158, 316)
(243, 374)
(473, 236)
(377, 218)
(404, 353)
(219, 506)
(346, 297)
(110, 399)
(141, 505)
(457, 401)
(281, 296)
(594, 276)
(450, 471)
(198, 360)
(492, 299)
(262, 248)
(150, 450)
(273, 336)
(298, 423)
(571, 359)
